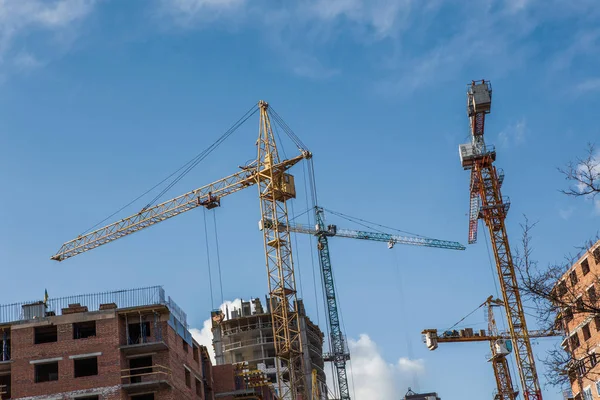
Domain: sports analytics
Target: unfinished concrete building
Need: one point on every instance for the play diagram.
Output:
(410, 395)
(245, 335)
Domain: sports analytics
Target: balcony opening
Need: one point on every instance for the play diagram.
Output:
(139, 367)
(592, 294)
(198, 387)
(573, 277)
(138, 333)
(586, 332)
(88, 398)
(82, 330)
(185, 345)
(196, 353)
(147, 396)
(45, 334)
(86, 367)
(188, 378)
(585, 267)
(5, 386)
(46, 372)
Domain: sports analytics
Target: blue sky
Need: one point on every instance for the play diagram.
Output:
(100, 100)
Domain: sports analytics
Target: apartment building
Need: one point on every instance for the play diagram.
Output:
(245, 335)
(579, 288)
(130, 344)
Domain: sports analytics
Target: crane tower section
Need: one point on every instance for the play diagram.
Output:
(275, 188)
(489, 205)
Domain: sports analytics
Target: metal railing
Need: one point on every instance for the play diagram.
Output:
(128, 298)
(150, 373)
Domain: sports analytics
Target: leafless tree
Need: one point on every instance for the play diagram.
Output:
(583, 174)
(558, 298)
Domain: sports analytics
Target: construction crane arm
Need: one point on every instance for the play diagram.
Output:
(332, 230)
(208, 196)
(432, 335)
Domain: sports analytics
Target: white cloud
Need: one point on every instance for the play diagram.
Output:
(566, 213)
(26, 61)
(188, 12)
(371, 375)
(376, 379)
(587, 86)
(514, 134)
(204, 335)
(500, 40)
(21, 17)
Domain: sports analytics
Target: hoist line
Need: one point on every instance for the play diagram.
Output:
(184, 166)
(312, 252)
(205, 153)
(218, 256)
(212, 300)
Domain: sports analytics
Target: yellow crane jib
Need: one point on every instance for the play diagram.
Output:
(275, 187)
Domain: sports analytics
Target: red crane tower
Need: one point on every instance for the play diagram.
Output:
(487, 203)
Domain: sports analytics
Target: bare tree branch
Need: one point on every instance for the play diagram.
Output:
(583, 174)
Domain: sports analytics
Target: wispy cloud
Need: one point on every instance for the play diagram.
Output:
(19, 18)
(514, 134)
(566, 213)
(190, 12)
(587, 86)
(422, 40)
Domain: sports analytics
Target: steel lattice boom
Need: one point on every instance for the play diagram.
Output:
(333, 230)
(485, 185)
(275, 187)
(338, 351)
(205, 196)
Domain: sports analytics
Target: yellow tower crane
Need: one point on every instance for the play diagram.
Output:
(486, 202)
(275, 187)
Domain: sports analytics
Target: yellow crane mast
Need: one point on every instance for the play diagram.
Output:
(487, 203)
(275, 186)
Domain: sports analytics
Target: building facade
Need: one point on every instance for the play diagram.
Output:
(578, 291)
(132, 344)
(245, 335)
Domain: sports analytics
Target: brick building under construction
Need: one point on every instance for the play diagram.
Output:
(579, 287)
(130, 344)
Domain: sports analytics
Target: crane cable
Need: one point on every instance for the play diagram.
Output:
(212, 299)
(465, 317)
(187, 167)
(277, 118)
(218, 256)
(364, 223)
(312, 252)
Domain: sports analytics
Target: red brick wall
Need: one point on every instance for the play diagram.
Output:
(223, 379)
(24, 350)
(110, 335)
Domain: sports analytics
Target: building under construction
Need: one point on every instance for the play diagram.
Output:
(123, 345)
(245, 335)
(577, 290)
